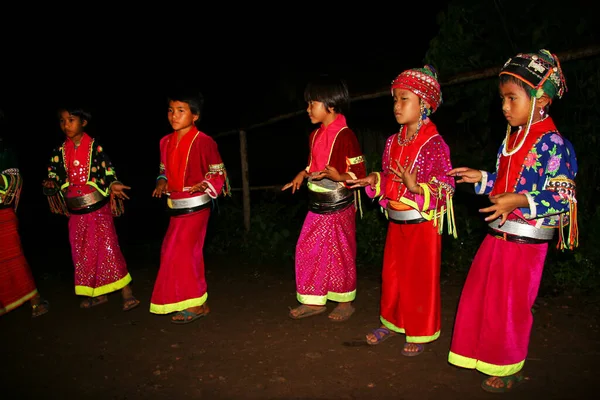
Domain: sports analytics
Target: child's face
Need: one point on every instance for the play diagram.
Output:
(407, 107)
(180, 116)
(318, 113)
(515, 104)
(71, 125)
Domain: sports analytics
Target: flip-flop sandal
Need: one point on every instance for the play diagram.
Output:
(342, 313)
(188, 316)
(514, 381)
(381, 334)
(407, 353)
(93, 301)
(305, 311)
(39, 309)
(130, 303)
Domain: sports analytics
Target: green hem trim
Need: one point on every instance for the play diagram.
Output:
(409, 339)
(99, 291)
(486, 368)
(390, 326)
(19, 302)
(322, 300)
(182, 305)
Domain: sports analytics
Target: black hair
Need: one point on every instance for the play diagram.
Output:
(75, 110)
(194, 99)
(331, 91)
(505, 78)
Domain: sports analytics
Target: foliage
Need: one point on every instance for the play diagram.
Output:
(471, 112)
(473, 35)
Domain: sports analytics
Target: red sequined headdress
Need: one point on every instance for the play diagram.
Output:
(422, 82)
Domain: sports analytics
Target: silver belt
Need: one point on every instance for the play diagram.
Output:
(87, 200)
(189, 202)
(408, 215)
(522, 229)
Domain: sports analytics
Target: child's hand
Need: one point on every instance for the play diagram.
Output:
(198, 188)
(370, 180)
(503, 204)
(161, 188)
(468, 175)
(328, 172)
(297, 182)
(404, 175)
(117, 189)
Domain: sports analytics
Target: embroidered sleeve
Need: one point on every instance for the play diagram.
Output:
(437, 187)
(162, 173)
(555, 191)
(216, 176)
(10, 187)
(102, 171)
(56, 170)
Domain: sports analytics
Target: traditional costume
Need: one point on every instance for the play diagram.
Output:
(326, 248)
(16, 280)
(494, 319)
(83, 175)
(410, 292)
(181, 283)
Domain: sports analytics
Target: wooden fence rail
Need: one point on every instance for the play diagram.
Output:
(455, 80)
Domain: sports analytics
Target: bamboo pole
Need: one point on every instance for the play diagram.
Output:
(245, 179)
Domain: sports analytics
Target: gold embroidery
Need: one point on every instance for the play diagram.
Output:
(356, 160)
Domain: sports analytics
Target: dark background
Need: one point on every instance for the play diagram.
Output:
(251, 65)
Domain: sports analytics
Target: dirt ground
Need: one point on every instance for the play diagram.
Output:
(248, 348)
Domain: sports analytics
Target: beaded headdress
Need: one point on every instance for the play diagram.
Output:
(541, 71)
(422, 82)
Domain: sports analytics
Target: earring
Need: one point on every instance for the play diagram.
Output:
(424, 111)
(542, 113)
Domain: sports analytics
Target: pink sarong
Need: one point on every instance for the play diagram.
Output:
(100, 267)
(326, 258)
(493, 322)
(180, 283)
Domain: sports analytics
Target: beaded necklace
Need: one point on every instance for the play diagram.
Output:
(506, 153)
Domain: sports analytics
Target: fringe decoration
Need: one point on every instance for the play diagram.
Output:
(226, 186)
(12, 194)
(58, 204)
(358, 203)
(445, 212)
(117, 206)
(572, 240)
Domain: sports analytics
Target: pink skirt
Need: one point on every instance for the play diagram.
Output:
(493, 322)
(100, 267)
(326, 258)
(180, 283)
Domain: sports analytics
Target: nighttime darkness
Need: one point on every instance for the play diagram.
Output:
(222, 264)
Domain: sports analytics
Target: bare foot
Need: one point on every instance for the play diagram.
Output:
(342, 312)
(306, 310)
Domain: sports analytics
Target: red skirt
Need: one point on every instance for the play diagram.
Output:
(16, 281)
(410, 291)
